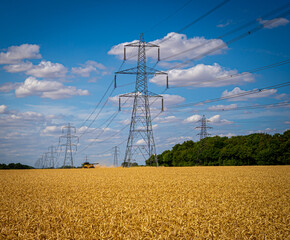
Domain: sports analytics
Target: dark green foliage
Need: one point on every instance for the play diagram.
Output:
(15, 166)
(253, 149)
(125, 164)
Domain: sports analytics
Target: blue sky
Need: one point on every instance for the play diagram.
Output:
(58, 58)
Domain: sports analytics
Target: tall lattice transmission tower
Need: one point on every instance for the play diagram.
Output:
(203, 128)
(140, 139)
(51, 156)
(70, 144)
(116, 154)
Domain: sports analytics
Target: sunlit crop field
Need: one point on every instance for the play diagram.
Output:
(146, 203)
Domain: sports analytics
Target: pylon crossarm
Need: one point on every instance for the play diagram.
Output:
(152, 94)
(149, 71)
(138, 44)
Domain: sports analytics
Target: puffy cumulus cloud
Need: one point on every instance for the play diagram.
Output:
(7, 87)
(19, 67)
(17, 53)
(172, 44)
(141, 142)
(273, 23)
(202, 76)
(86, 69)
(267, 130)
(223, 107)
(216, 120)
(47, 69)
(18, 119)
(167, 119)
(237, 90)
(52, 130)
(47, 89)
(168, 100)
(3, 109)
(193, 118)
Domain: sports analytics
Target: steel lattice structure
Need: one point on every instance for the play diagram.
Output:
(203, 128)
(69, 145)
(140, 139)
(52, 158)
(116, 154)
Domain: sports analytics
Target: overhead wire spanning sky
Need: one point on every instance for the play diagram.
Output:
(58, 61)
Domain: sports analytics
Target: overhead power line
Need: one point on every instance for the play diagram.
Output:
(282, 8)
(191, 23)
(246, 72)
(227, 43)
(170, 15)
(249, 107)
(254, 91)
(110, 85)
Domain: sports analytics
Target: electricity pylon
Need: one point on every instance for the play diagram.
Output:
(140, 139)
(52, 158)
(203, 128)
(39, 162)
(203, 134)
(116, 154)
(68, 157)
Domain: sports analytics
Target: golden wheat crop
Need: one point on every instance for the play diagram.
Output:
(146, 203)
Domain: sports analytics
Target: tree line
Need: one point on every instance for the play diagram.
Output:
(253, 149)
(14, 166)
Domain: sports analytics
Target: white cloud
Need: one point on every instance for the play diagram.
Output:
(202, 76)
(15, 54)
(52, 130)
(223, 107)
(170, 99)
(222, 25)
(174, 43)
(47, 69)
(237, 90)
(18, 67)
(47, 89)
(23, 116)
(227, 135)
(167, 119)
(7, 87)
(175, 140)
(87, 68)
(273, 23)
(141, 142)
(267, 130)
(3, 109)
(216, 120)
(287, 122)
(125, 122)
(193, 118)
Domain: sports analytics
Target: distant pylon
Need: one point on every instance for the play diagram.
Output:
(116, 154)
(203, 128)
(52, 158)
(45, 160)
(68, 157)
(140, 140)
(39, 162)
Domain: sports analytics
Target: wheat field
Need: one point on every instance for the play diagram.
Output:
(146, 203)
